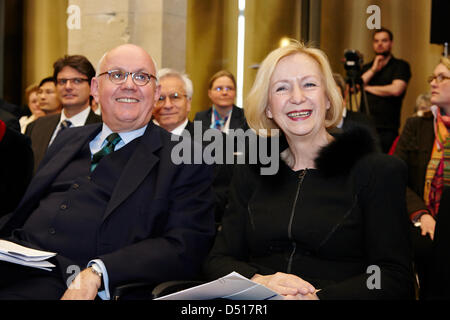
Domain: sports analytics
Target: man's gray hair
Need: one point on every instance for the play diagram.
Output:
(188, 86)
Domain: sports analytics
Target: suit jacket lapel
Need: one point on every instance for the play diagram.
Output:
(137, 168)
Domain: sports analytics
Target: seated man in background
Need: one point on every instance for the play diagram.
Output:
(49, 101)
(173, 106)
(9, 119)
(171, 113)
(73, 76)
(109, 197)
(11, 108)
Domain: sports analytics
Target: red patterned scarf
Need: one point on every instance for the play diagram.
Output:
(438, 170)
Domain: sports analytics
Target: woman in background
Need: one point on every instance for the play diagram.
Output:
(224, 114)
(32, 99)
(425, 147)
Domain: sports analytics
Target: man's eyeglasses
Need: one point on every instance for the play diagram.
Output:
(173, 98)
(225, 89)
(118, 77)
(439, 78)
(75, 81)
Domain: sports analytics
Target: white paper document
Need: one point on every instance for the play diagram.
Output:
(233, 286)
(15, 253)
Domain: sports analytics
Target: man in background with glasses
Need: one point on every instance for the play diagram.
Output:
(72, 75)
(171, 113)
(109, 200)
(174, 103)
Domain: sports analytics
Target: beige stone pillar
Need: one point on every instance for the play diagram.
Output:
(159, 26)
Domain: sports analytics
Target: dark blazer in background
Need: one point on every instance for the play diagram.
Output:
(16, 169)
(237, 118)
(158, 224)
(10, 120)
(414, 147)
(222, 175)
(41, 131)
(11, 108)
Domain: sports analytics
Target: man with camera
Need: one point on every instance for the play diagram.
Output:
(385, 81)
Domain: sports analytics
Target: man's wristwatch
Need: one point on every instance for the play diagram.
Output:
(96, 270)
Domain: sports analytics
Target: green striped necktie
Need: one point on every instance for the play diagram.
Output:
(113, 139)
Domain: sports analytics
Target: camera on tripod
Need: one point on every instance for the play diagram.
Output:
(353, 61)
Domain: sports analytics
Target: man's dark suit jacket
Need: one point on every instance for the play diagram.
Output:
(41, 131)
(10, 120)
(11, 108)
(159, 222)
(16, 168)
(237, 118)
(222, 175)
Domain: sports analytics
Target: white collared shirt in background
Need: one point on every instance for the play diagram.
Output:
(77, 120)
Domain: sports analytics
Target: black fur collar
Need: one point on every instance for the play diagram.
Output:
(349, 146)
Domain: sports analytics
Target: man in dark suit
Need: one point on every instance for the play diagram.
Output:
(72, 75)
(10, 120)
(171, 113)
(11, 108)
(108, 196)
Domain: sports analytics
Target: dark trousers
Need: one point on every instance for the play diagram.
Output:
(387, 137)
(24, 283)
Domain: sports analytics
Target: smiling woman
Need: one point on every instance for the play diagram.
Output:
(316, 228)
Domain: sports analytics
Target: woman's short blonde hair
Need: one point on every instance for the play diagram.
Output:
(258, 99)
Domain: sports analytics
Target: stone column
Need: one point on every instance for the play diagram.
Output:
(159, 26)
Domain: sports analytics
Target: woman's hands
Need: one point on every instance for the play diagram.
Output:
(427, 225)
(287, 285)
